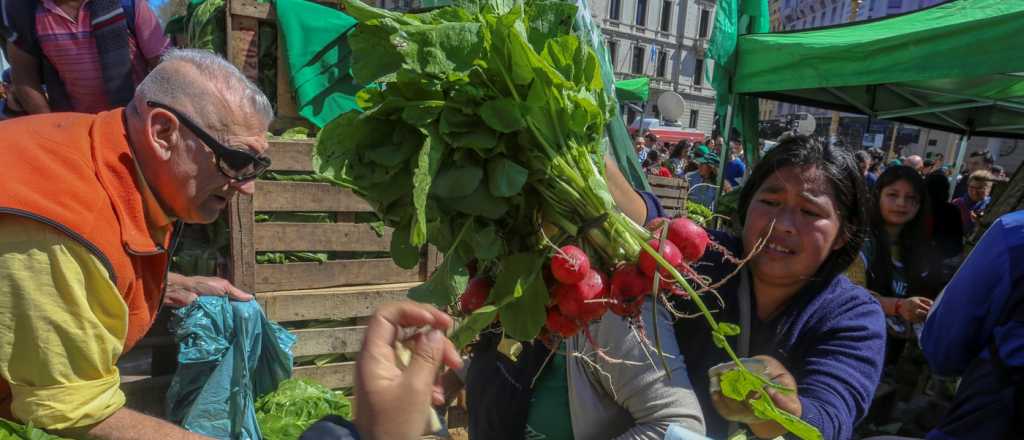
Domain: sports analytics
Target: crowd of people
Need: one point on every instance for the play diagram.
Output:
(863, 272)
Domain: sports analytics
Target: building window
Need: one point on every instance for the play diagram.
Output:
(613, 52)
(638, 60)
(666, 15)
(615, 10)
(705, 19)
(641, 12)
(694, 116)
(698, 72)
(662, 64)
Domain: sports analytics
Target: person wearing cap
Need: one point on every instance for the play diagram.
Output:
(702, 181)
(88, 220)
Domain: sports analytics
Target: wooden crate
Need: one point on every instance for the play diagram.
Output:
(672, 193)
(243, 21)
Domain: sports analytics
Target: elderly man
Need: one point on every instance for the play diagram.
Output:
(88, 211)
(914, 161)
(980, 160)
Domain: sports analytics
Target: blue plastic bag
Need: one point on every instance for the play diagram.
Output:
(229, 355)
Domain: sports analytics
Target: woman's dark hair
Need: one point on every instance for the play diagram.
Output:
(938, 188)
(652, 159)
(679, 150)
(839, 169)
(913, 242)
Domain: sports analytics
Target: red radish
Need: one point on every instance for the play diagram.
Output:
(679, 291)
(475, 295)
(689, 237)
(627, 307)
(572, 299)
(559, 324)
(668, 251)
(629, 282)
(570, 265)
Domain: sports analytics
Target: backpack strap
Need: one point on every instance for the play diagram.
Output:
(129, 14)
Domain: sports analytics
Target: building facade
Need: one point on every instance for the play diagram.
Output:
(664, 40)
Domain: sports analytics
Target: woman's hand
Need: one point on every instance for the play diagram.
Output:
(771, 369)
(914, 310)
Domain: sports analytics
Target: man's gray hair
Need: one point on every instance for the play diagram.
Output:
(225, 82)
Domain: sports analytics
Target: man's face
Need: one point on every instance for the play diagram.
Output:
(976, 164)
(639, 144)
(978, 190)
(195, 189)
(737, 149)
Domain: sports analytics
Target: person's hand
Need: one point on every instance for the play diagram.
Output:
(182, 290)
(914, 310)
(771, 369)
(392, 403)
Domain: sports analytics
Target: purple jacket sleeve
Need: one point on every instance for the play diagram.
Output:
(654, 209)
(842, 368)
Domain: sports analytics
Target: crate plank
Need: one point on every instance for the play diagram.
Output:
(671, 182)
(243, 45)
(273, 196)
(333, 303)
(328, 340)
(291, 155)
(675, 193)
(340, 375)
(243, 256)
(264, 10)
(292, 276)
(302, 237)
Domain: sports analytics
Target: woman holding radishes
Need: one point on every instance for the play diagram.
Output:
(802, 215)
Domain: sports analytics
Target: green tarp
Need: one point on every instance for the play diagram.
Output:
(318, 58)
(633, 90)
(956, 67)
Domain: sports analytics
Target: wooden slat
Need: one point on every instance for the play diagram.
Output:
(339, 375)
(334, 303)
(672, 203)
(243, 256)
(302, 237)
(292, 276)
(666, 181)
(291, 155)
(286, 107)
(306, 196)
(674, 193)
(328, 340)
(244, 45)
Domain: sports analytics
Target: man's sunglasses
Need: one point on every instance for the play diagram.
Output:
(234, 163)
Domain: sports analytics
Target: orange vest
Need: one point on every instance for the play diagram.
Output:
(76, 173)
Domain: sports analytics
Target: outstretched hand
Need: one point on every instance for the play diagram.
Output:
(392, 402)
(182, 290)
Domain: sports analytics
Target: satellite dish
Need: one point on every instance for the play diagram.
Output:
(806, 124)
(670, 104)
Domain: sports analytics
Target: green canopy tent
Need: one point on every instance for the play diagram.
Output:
(955, 67)
(633, 90)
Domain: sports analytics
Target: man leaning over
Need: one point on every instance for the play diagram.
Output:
(88, 208)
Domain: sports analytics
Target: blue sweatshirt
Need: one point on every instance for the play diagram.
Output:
(831, 337)
(965, 320)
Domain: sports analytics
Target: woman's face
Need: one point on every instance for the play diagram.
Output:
(898, 203)
(802, 205)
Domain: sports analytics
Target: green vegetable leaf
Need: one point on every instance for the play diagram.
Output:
(457, 181)
(486, 243)
(505, 178)
(481, 203)
(718, 339)
(426, 167)
(524, 317)
(728, 329)
(445, 285)
(502, 115)
(403, 253)
(515, 274)
(296, 404)
(422, 112)
(738, 384)
(470, 327)
(481, 139)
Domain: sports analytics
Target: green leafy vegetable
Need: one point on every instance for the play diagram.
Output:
(739, 386)
(296, 404)
(14, 431)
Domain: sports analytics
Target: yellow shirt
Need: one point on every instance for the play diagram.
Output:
(62, 328)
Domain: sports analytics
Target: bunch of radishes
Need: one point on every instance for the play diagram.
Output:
(581, 293)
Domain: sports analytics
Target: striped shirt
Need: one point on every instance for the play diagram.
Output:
(68, 43)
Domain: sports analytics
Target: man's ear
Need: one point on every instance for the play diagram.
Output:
(162, 132)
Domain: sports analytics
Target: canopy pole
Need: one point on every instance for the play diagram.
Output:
(961, 152)
(724, 151)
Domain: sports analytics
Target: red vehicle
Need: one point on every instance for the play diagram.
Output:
(665, 133)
